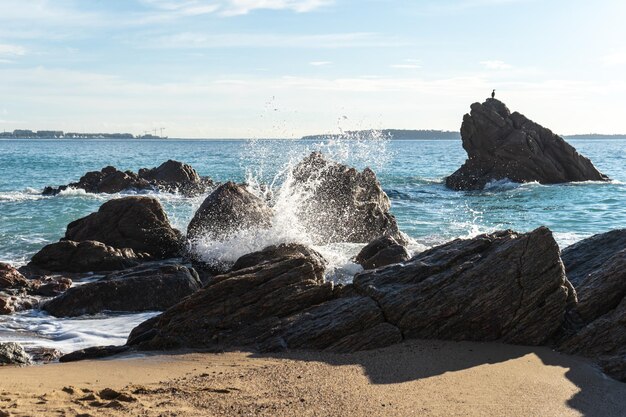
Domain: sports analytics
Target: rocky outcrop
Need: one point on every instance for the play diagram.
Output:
(228, 209)
(12, 353)
(501, 286)
(588, 255)
(340, 204)
(504, 145)
(11, 277)
(382, 252)
(171, 176)
(138, 223)
(85, 256)
(144, 288)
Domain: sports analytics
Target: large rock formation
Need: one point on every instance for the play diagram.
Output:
(86, 256)
(138, 223)
(503, 286)
(228, 209)
(170, 176)
(144, 288)
(588, 255)
(501, 145)
(340, 204)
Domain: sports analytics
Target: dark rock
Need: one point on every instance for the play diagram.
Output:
(588, 255)
(108, 180)
(11, 277)
(381, 252)
(502, 286)
(42, 354)
(138, 223)
(51, 286)
(93, 353)
(85, 256)
(12, 353)
(11, 303)
(228, 209)
(501, 145)
(145, 288)
(341, 204)
(277, 252)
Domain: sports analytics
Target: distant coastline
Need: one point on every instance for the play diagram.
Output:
(59, 134)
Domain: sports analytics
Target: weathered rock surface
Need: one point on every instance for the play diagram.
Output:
(341, 204)
(588, 255)
(11, 303)
(138, 223)
(143, 288)
(12, 353)
(501, 145)
(94, 352)
(502, 286)
(228, 209)
(382, 252)
(85, 256)
(11, 277)
(171, 176)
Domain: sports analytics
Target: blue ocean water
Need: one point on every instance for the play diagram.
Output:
(412, 173)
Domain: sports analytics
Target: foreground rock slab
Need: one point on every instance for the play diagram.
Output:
(504, 145)
(145, 288)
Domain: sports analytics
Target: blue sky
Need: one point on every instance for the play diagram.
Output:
(286, 68)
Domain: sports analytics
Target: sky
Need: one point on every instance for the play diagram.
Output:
(287, 68)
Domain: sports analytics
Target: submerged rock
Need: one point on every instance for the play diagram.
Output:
(228, 209)
(504, 145)
(138, 223)
(144, 288)
(85, 256)
(340, 204)
(12, 353)
(502, 286)
(170, 176)
(382, 252)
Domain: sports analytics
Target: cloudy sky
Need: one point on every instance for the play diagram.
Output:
(285, 68)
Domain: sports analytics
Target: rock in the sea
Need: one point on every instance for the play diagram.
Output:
(503, 145)
(228, 209)
(501, 286)
(143, 288)
(11, 277)
(11, 303)
(85, 256)
(12, 353)
(588, 255)
(108, 180)
(382, 252)
(277, 300)
(138, 223)
(340, 204)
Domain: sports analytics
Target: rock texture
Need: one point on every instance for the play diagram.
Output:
(588, 255)
(145, 288)
(504, 145)
(13, 354)
(138, 223)
(170, 176)
(341, 204)
(85, 256)
(381, 252)
(228, 209)
(502, 286)
(11, 277)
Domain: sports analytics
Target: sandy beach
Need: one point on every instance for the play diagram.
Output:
(421, 378)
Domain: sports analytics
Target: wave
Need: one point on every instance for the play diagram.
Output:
(28, 194)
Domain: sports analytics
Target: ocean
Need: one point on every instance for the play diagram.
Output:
(411, 172)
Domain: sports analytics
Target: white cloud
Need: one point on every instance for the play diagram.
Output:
(233, 7)
(496, 65)
(14, 50)
(320, 63)
(615, 58)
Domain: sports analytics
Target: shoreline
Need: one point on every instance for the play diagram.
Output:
(417, 377)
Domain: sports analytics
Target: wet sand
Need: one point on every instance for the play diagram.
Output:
(421, 378)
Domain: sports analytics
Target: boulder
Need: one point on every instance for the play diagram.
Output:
(109, 180)
(11, 303)
(93, 352)
(138, 223)
(171, 172)
(502, 286)
(504, 145)
(51, 286)
(381, 252)
(85, 256)
(337, 203)
(12, 353)
(588, 255)
(228, 209)
(275, 299)
(145, 288)
(11, 277)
